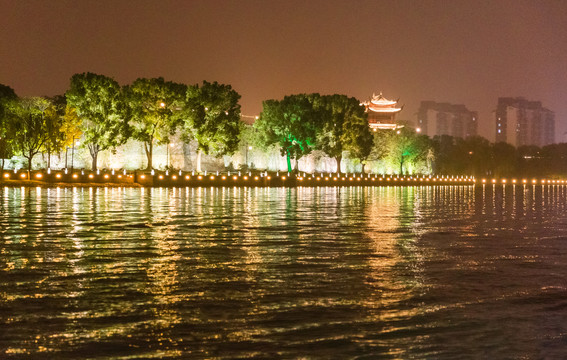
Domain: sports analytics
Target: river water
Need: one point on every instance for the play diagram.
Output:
(426, 272)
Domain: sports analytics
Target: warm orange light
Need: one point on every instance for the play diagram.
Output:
(58, 176)
(141, 177)
(212, 177)
(256, 178)
(503, 181)
(23, 176)
(494, 181)
(199, 177)
(39, 176)
(223, 177)
(283, 177)
(187, 177)
(106, 176)
(269, 177)
(75, 176)
(318, 178)
(326, 178)
(245, 177)
(160, 177)
(524, 181)
(235, 177)
(6, 176)
(335, 178)
(120, 176)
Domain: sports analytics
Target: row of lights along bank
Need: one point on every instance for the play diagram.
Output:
(301, 178)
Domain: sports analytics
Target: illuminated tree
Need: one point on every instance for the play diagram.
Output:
(71, 130)
(405, 148)
(7, 95)
(155, 106)
(212, 118)
(27, 118)
(292, 123)
(344, 128)
(99, 102)
(53, 117)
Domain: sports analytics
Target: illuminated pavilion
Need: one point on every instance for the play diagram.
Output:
(382, 112)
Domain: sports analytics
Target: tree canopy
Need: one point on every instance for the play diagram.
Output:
(155, 107)
(212, 118)
(27, 118)
(99, 102)
(292, 123)
(344, 128)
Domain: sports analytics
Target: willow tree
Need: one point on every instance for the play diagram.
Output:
(7, 95)
(27, 119)
(212, 118)
(155, 107)
(292, 123)
(99, 102)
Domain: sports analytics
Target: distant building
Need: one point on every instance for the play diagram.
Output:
(521, 122)
(382, 112)
(435, 119)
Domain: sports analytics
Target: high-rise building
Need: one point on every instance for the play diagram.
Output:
(435, 119)
(522, 122)
(382, 112)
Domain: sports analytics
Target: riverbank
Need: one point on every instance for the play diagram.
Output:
(106, 178)
(110, 178)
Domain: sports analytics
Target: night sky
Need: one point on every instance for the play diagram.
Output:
(468, 52)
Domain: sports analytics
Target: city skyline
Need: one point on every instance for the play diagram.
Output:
(461, 53)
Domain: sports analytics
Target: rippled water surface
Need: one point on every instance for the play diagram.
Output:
(378, 272)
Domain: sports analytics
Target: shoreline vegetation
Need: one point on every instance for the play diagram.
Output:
(142, 124)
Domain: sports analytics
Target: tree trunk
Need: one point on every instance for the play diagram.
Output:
(363, 165)
(339, 159)
(148, 146)
(49, 159)
(94, 165)
(402, 165)
(288, 158)
(29, 165)
(93, 149)
(199, 155)
(66, 149)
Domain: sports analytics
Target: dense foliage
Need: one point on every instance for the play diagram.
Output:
(104, 115)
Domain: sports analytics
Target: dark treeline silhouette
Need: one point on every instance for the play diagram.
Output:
(477, 156)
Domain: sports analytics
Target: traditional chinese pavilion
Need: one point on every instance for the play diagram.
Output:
(382, 112)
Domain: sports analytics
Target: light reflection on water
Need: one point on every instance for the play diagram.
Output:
(392, 272)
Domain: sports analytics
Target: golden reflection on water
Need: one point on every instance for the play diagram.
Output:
(182, 271)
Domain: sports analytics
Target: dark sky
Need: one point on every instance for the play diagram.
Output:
(468, 52)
